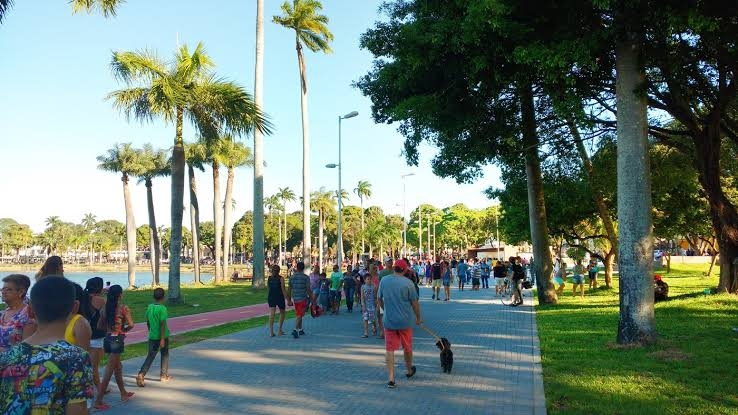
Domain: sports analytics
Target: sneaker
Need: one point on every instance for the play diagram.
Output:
(294, 334)
(301, 332)
(433, 297)
(413, 370)
(391, 384)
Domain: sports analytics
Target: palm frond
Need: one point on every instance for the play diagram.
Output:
(5, 5)
(143, 66)
(133, 102)
(106, 7)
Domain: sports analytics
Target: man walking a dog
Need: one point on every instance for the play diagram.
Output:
(399, 300)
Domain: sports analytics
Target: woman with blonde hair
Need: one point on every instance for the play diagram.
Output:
(53, 266)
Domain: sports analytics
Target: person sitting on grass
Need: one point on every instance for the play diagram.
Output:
(45, 374)
(660, 288)
(156, 321)
(578, 279)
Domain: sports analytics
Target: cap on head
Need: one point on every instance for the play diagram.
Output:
(400, 265)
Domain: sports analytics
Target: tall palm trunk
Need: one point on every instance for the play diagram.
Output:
(284, 257)
(543, 268)
(635, 261)
(257, 279)
(321, 225)
(175, 244)
(306, 251)
(279, 228)
(194, 223)
(130, 233)
(155, 248)
(218, 223)
(227, 227)
(361, 202)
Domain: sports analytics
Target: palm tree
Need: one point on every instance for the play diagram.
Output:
(123, 159)
(286, 194)
(273, 203)
(106, 7)
(4, 7)
(89, 221)
(363, 190)
(195, 156)
(310, 29)
(233, 154)
(258, 275)
(154, 164)
(213, 148)
(322, 201)
(184, 88)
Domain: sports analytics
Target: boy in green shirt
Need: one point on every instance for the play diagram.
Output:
(156, 320)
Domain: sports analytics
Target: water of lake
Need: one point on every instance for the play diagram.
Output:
(119, 278)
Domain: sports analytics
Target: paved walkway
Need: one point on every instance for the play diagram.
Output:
(332, 370)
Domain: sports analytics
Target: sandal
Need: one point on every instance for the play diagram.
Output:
(271, 334)
(140, 380)
(101, 407)
(128, 397)
(281, 333)
(364, 336)
(413, 370)
(165, 379)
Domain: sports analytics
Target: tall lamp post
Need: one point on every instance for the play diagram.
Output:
(404, 221)
(339, 255)
(420, 233)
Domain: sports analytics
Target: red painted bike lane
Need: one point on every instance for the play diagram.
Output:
(183, 324)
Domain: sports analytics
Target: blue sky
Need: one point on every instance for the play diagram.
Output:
(54, 120)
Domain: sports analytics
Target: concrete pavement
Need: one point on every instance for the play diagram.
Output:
(332, 370)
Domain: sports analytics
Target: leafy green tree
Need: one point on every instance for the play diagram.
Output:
(243, 232)
(17, 236)
(323, 202)
(207, 236)
(125, 160)
(185, 88)
(311, 30)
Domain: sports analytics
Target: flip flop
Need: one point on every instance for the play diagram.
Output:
(365, 336)
(128, 397)
(281, 333)
(271, 335)
(103, 407)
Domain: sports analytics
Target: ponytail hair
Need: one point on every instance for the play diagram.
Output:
(113, 296)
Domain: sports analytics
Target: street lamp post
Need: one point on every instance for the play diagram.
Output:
(339, 255)
(497, 229)
(404, 221)
(420, 234)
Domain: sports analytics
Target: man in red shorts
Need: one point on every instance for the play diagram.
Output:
(298, 292)
(399, 300)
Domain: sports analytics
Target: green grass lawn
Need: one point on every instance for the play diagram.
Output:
(198, 299)
(692, 369)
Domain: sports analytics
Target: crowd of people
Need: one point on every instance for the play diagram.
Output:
(53, 339)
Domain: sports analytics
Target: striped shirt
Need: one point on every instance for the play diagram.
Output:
(299, 284)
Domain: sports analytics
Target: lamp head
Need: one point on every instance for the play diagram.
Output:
(331, 165)
(350, 115)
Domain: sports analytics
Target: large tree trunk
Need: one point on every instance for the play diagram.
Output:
(543, 264)
(227, 227)
(723, 213)
(194, 223)
(609, 265)
(155, 248)
(306, 251)
(635, 259)
(130, 233)
(258, 277)
(175, 244)
(217, 223)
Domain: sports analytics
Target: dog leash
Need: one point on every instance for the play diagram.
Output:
(434, 335)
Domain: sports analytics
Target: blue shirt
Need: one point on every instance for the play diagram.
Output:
(462, 268)
(397, 294)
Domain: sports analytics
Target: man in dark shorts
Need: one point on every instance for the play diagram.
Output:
(298, 293)
(397, 296)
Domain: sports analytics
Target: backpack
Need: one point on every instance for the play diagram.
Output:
(436, 271)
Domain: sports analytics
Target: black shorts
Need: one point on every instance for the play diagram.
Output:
(113, 344)
(276, 302)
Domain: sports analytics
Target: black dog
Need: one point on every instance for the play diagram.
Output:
(447, 356)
